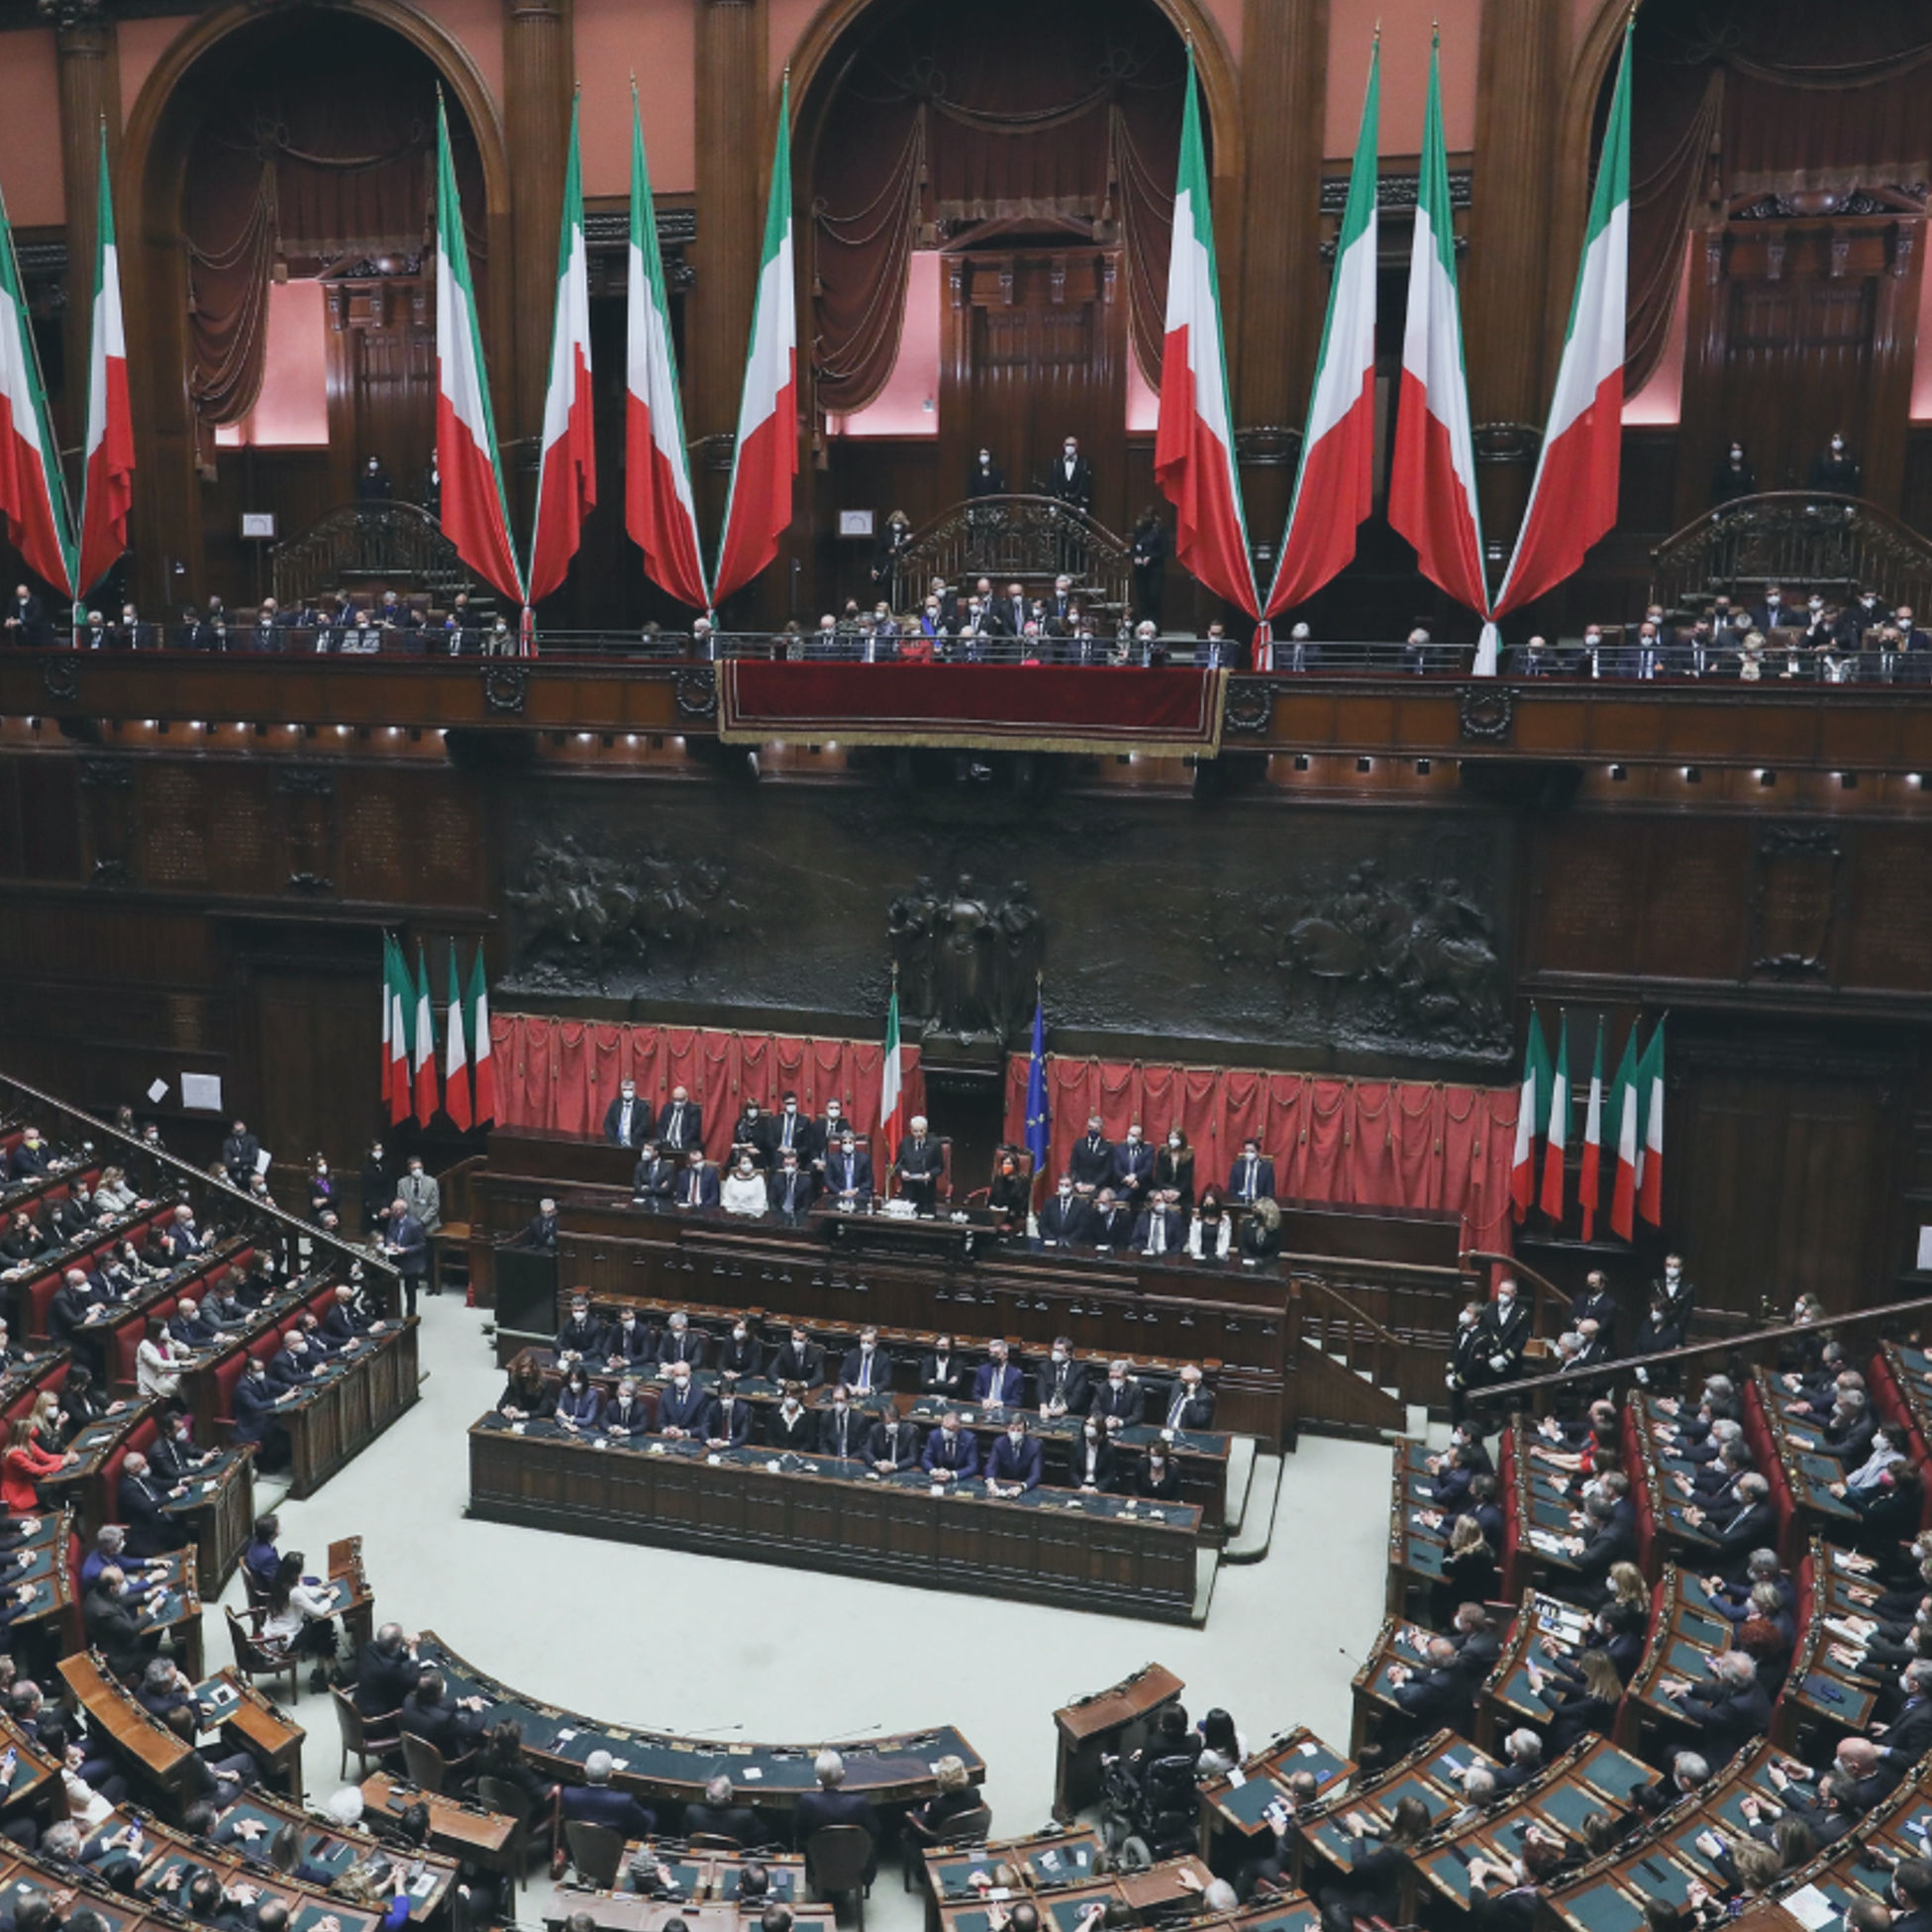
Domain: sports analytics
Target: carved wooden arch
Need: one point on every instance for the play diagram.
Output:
(152, 168)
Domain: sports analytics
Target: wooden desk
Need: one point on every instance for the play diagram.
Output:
(357, 1607)
(1431, 1773)
(220, 1511)
(698, 1877)
(1044, 1862)
(1100, 1553)
(35, 1789)
(335, 1418)
(631, 1911)
(248, 1721)
(1507, 1698)
(1241, 1807)
(1107, 1723)
(458, 1830)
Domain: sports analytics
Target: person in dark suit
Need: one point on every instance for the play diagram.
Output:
(627, 1413)
(919, 1164)
(1090, 1159)
(1065, 1385)
(893, 1444)
(1071, 476)
(540, 1231)
(1729, 1709)
(1189, 1406)
(1117, 1400)
(792, 1185)
(680, 1127)
(720, 1815)
(754, 1136)
(849, 1170)
(1160, 1230)
(791, 1425)
(254, 1404)
(1014, 1464)
(1133, 1166)
(681, 1341)
(628, 1343)
(683, 1408)
(655, 1178)
(1749, 1526)
(843, 1429)
(141, 1502)
(794, 1133)
(730, 1416)
(26, 620)
(1848, 1429)
(1605, 1541)
(189, 1329)
(741, 1352)
(1252, 1176)
(944, 1373)
(1092, 1463)
(74, 1306)
(866, 1369)
(1595, 1304)
(581, 1338)
(1066, 1220)
(386, 1672)
(1505, 1333)
(627, 1120)
(697, 1182)
(997, 1383)
(951, 1455)
(1434, 1696)
(182, 1242)
(452, 1726)
(799, 1359)
(407, 1245)
(240, 1152)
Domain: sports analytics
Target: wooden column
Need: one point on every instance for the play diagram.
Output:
(90, 91)
(1283, 282)
(538, 66)
(1519, 90)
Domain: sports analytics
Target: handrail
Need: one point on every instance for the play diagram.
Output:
(1731, 1345)
(1355, 1314)
(1021, 534)
(292, 1224)
(1540, 1285)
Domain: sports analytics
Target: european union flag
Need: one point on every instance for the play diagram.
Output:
(1039, 1121)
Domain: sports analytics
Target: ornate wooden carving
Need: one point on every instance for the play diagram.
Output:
(1793, 900)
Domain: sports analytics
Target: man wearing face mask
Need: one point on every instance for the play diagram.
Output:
(849, 1170)
(681, 1341)
(1066, 1388)
(1013, 1468)
(731, 1417)
(1065, 1219)
(1113, 1223)
(792, 1132)
(683, 1408)
(1090, 1159)
(1160, 1229)
(627, 1120)
(627, 1345)
(627, 1414)
(1734, 477)
(997, 1383)
(792, 1187)
(1132, 1165)
(697, 1184)
(1117, 1400)
(1675, 1288)
(893, 1444)
(985, 477)
(951, 1455)
(1506, 1327)
(1189, 1406)
(944, 1373)
(843, 1429)
(866, 1369)
(656, 1179)
(1073, 476)
(1834, 471)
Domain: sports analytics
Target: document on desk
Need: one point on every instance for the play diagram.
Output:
(1810, 1907)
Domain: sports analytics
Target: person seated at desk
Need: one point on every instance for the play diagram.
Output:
(541, 1232)
(950, 1453)
(1010, 1194)
(1157, 1479)
(1729, 1709)
(172, 1456)
(110, 1547)
(24, 1239)
(1117, 1400)
(791, 1425)
(743, 1191)
(386, 1672)
(629, 1344)
(720, 1815)
(527, 1396)
(294, 1365)
(340, 1326)
(1522, 1758)
(31, 1156)
(1583, 1697)
(141, 1501)
(1112, 1225)
(1160, 1229)
(597, 1802)
(893, 1444)
(681, 1341)
(1210, 1234)
(1131, 1172)
(253, 1402)
(76, 1306)
(165, 1688)
(683, 1407)
(1379, 1862)
(955, 1799)
(741, 1352)
(1090, 1159)
(680, 1127)
(1750, 1525)
(945, 1371)
(697, 1183)
(1190, 1404)
(581, 1338)
(793, 1186)
(451, 1725)
(1093, 1465)
(1013, 1467)
(843, 1428)
(849, 1170)
(654, 1178)
(580, 1402)
(754, 1138)
(798, 1360)
(1066, 1220)
(920, 1164)
(866, 1369)
(997, 1383)
(730, 1416)
(111, 1615)
(503, 1757)
(1065, 1385)
(828, 1805)
(89, 1806)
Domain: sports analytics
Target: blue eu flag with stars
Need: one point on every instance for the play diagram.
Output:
(1039, 1122)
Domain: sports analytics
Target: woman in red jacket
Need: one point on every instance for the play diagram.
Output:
(21, 1466)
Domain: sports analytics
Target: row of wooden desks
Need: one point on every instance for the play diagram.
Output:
(308, 1911)
(1043, 1861)
(677, 1870)
(632, 1911)
(460, 1831)
(890, 1771)
(1102, 1552)
(1810, 1473)
(1240, 1803)
(1107, 1724)
(331, 1420)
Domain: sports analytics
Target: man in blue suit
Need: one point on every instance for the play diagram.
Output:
(849, 1170)
(697, 1185)
(1253, 1178)
(951, 1456)
(997, 1383)
(596, 1801)
(1132, 1165)
(407, 1245)
(254, 1404)
(683, 1408)
(1014, 1464)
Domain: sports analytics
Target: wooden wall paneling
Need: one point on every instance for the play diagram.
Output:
(1888, 927)
(109, 832)
(312, 1075)
(49, 820)
(1691, 922)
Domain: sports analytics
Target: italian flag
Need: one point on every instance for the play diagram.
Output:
(481, 1060)
(1558, 1141)
(1574, 499)
(1630, 1136)
(566, 479)
(659, 510)
(33, 499)
(475, 517)
(456, 1064)
(1590, 1177)
(422, 1046)
(402, 1003)
(891, 1126)
(1530, 1112)
(1194, 445)
(106, 489)
(1432, 481)
(765, 460)
(1333, 488)
(1649, 1158)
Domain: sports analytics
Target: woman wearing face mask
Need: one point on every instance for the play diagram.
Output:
(1734, 477)
(1885, 1489)
(579, 1405)
(1007, 1197)
(1211, 1231)
(744, 1190)
(1260, 1235)
(1094, 1462)
(378, 1189)
(321, 1188)
(1157, 1479)
(1173, 1168)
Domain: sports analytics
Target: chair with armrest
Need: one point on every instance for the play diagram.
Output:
(840, 1858)
(254, 1658)
(596, 1851)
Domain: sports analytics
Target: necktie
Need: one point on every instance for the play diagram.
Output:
(865, 1372)
(1173, 1414)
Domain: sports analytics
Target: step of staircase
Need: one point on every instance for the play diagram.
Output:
(1249, 1536)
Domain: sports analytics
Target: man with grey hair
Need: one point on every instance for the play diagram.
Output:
(828, 1805)
(1747, 1526)
(1479, 1795)
(1522, 1758)
(597, 1802)
(1730, 1709)
(722, 1817)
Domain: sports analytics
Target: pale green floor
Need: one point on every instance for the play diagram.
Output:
(699, 1644)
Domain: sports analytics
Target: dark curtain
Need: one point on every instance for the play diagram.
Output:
(952, 117)
(317, 153)
(1767, 97)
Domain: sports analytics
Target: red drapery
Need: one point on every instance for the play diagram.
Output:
(1376, 1143)
(562, 1074)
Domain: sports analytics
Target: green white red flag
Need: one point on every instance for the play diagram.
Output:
(1590, 1177)
(1194, 440)
(422, 1044)
(1630, 1140)
(107, 485)
(33, 498)
(1334, 485)
(482, 1060)
(397, 1087)
(1649, 1158)
(456, 1064)
(1532, 1111)
(764, 461)
(1557, 1142)
(1574, 499)
(659, 509)
(475, 515)
(566, 480)
(891, 1126)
